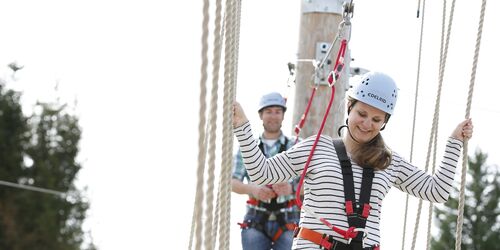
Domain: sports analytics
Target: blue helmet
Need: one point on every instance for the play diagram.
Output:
(377, 90)
(272, 99)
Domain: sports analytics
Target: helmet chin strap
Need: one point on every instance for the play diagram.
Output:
(348, 131)
(352, 137)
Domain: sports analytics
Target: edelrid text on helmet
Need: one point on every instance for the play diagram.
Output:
(376, 89)
(272, 99)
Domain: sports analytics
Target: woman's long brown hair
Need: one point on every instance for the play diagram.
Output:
(374, 153)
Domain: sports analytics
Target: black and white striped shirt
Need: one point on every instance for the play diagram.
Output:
(323, 185)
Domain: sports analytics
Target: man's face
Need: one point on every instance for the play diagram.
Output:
(272, 117)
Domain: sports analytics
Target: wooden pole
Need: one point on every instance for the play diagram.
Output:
(318, 27)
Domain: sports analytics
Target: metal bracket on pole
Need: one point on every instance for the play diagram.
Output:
(323, 6)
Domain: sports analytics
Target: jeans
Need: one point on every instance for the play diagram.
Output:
(254, 239)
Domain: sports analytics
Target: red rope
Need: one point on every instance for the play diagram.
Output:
(300, 125)
(339, 63)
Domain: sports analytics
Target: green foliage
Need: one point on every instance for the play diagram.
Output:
(481, 222)
(40, 150)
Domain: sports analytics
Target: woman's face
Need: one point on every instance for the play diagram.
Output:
(365, 122)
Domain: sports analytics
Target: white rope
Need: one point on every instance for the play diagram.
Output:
(209, 233)
(467, 115)
(441, 65)
(230, 69)
(431, 205)
(218, 201)
(196, 225)
(417, 84)
(434, 129)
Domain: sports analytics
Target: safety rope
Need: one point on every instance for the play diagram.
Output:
(444, 55)
(230, 72)
(467, 115)
(196, 226)
(216, 222)
(417, 84)
(334, 76)
(344, 28)
(344, 32)
(218, 201)
(210, 222)
(337, 69)
(431, 205)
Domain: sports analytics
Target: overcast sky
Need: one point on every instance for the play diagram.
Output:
(133, 69)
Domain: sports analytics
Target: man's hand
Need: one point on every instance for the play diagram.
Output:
(283, 188)
(263, 193)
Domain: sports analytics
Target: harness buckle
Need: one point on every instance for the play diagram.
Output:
(326, 243)
(366, 210)
(348, 208)
(362, 230)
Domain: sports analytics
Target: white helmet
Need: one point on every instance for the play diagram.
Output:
(377, 90)
(272, 99)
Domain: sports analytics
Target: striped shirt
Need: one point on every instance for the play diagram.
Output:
(323, 184)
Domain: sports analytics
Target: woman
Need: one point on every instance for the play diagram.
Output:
(336, 213)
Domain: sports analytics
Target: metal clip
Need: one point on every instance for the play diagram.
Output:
(348, 12)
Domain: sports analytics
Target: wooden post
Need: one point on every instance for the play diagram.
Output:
(318, 27)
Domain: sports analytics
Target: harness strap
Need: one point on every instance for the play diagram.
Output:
(325, 241)
(286, 227)
(271, 207)
(357, 212)
(260, 226)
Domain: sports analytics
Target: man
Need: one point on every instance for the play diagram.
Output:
(272, 212)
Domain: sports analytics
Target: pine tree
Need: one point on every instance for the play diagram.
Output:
(40, 151)
(481, 222)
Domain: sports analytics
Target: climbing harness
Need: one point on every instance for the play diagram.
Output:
(357, 212)
(273, 210)
(326, 241)
(264, 216)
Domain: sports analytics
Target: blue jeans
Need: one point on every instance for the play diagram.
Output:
(254, 239)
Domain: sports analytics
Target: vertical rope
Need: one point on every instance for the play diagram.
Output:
(441, 57)
(229, 99)
(196, 225)
(237, 23)
(218, 201)
(212, 129)
(467, 115)
(417, 84)
(431, 205)
(224, 213)
(444, 55)
(418, 10)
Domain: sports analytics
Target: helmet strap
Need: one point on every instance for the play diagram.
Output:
(348, 131)
(387, 116)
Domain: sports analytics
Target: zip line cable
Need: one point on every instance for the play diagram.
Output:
(32, 188)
